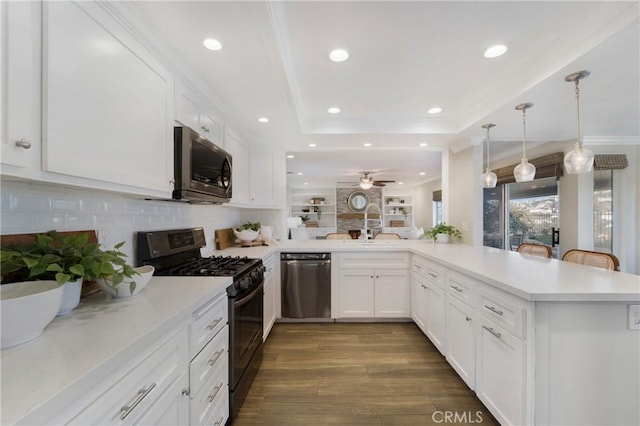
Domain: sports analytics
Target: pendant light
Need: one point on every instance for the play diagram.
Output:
(489, 179)
(525, 171)
(578, 160)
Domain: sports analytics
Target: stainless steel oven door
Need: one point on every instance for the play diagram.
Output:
(245, 330)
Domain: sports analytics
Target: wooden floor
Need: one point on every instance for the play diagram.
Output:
(356, 374)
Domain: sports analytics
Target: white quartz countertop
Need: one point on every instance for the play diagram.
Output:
(529, 277)
(95, 338)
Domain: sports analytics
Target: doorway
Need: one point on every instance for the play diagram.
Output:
(531, 209)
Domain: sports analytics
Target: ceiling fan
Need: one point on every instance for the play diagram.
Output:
(366, 181)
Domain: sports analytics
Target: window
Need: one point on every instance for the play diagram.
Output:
(603, 210)
(437, 212)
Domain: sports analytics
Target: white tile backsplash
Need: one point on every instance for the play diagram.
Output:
(32, 207)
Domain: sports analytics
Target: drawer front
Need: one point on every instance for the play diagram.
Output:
(435, 273)
(204, 404)
(419, 266)
(374, 260)
(207, 361)
(207, 321)
(139, 387)
(503, 311)
(461, 287)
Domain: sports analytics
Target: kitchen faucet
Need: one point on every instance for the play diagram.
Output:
(366, 212)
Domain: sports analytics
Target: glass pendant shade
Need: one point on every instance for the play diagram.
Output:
(525, 171)
(489, 179)
(579, 159)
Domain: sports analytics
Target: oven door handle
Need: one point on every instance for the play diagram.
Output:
(248, 298)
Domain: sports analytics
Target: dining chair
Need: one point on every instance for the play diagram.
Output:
(338, 236)
(387, 236)
(592, 258)
(535, 249)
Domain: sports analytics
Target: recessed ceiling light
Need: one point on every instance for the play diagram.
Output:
(334, 110)
(435, 110)
(306, 183)
(495, 51)
(299, 173)
(367, 144)
(212, 44)
(291, 156)
(263, 119)
(423, 173)
(339, 55)
(424, 144)
(400, 183)
(312, 145)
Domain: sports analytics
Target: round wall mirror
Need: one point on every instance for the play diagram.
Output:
(358, 201)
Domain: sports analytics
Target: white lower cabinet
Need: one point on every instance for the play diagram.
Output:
(269, 313)
(374, 285)
(436, 324)
(461, 345)
(419, 301)
(500, 373)
(144, 390)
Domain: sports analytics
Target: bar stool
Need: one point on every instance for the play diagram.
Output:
(535, 249)
(592, 258)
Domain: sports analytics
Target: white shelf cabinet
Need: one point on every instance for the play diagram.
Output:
(397, 208)
(323, 213)
(191, 111)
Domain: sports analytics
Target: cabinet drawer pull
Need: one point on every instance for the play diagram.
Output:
(205, 128)
(423, 286)
(417, 266)
(211, 397)
(215, 358)
(142, 393)
(494, 310)
(432, 275)
(219, 422)
(468, 319)
(214, 323)
(23, 143)
(456, 288)
(492, 331)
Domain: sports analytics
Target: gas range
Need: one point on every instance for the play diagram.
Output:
(177, 253)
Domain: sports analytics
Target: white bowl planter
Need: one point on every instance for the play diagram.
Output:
(246, 236)
(442, 238)
(70, 296)
(124, 288)
(26, 309)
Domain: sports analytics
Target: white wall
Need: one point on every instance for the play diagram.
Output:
(33, 207)
(423, 203)
(465, 201)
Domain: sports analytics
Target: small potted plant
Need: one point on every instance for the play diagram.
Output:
(443, 232)
(68, 260)
(247, 232)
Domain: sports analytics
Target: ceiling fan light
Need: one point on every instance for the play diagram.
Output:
(525, 171)
(489, 179)
(578, 160)
(366, 185)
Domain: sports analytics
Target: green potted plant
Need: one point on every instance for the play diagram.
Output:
(68, 260)
(404, 212)
(443, 232)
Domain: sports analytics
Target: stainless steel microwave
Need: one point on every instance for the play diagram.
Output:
(202, 170)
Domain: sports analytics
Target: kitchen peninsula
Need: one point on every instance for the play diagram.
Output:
(531, 336)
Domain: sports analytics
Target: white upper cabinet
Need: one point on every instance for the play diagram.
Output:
(262, 185)
(240, 168)
(20, 63)
(107, 101)
(192, 112)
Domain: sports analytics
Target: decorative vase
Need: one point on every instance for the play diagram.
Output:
(442, 238)
(70, 296)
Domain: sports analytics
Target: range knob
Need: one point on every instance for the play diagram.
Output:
(245, 283)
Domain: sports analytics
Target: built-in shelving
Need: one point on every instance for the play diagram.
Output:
(317, 207)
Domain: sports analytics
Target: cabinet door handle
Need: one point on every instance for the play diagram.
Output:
(468, 319)
(492, 331)
(432, 275)
(205, 128)
(377, 276)
(211, 397)
(494, 310)
(142, 393)
(23, 143)
(219, 422)
(215, 358)
(417, 266)
(423, 286)
(458, 289)
(213, 324)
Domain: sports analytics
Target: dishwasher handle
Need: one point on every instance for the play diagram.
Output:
(307, 262)
(305, 256)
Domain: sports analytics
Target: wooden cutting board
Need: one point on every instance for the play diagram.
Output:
(224, 238)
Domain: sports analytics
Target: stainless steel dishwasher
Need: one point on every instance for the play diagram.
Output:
(306, 285)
